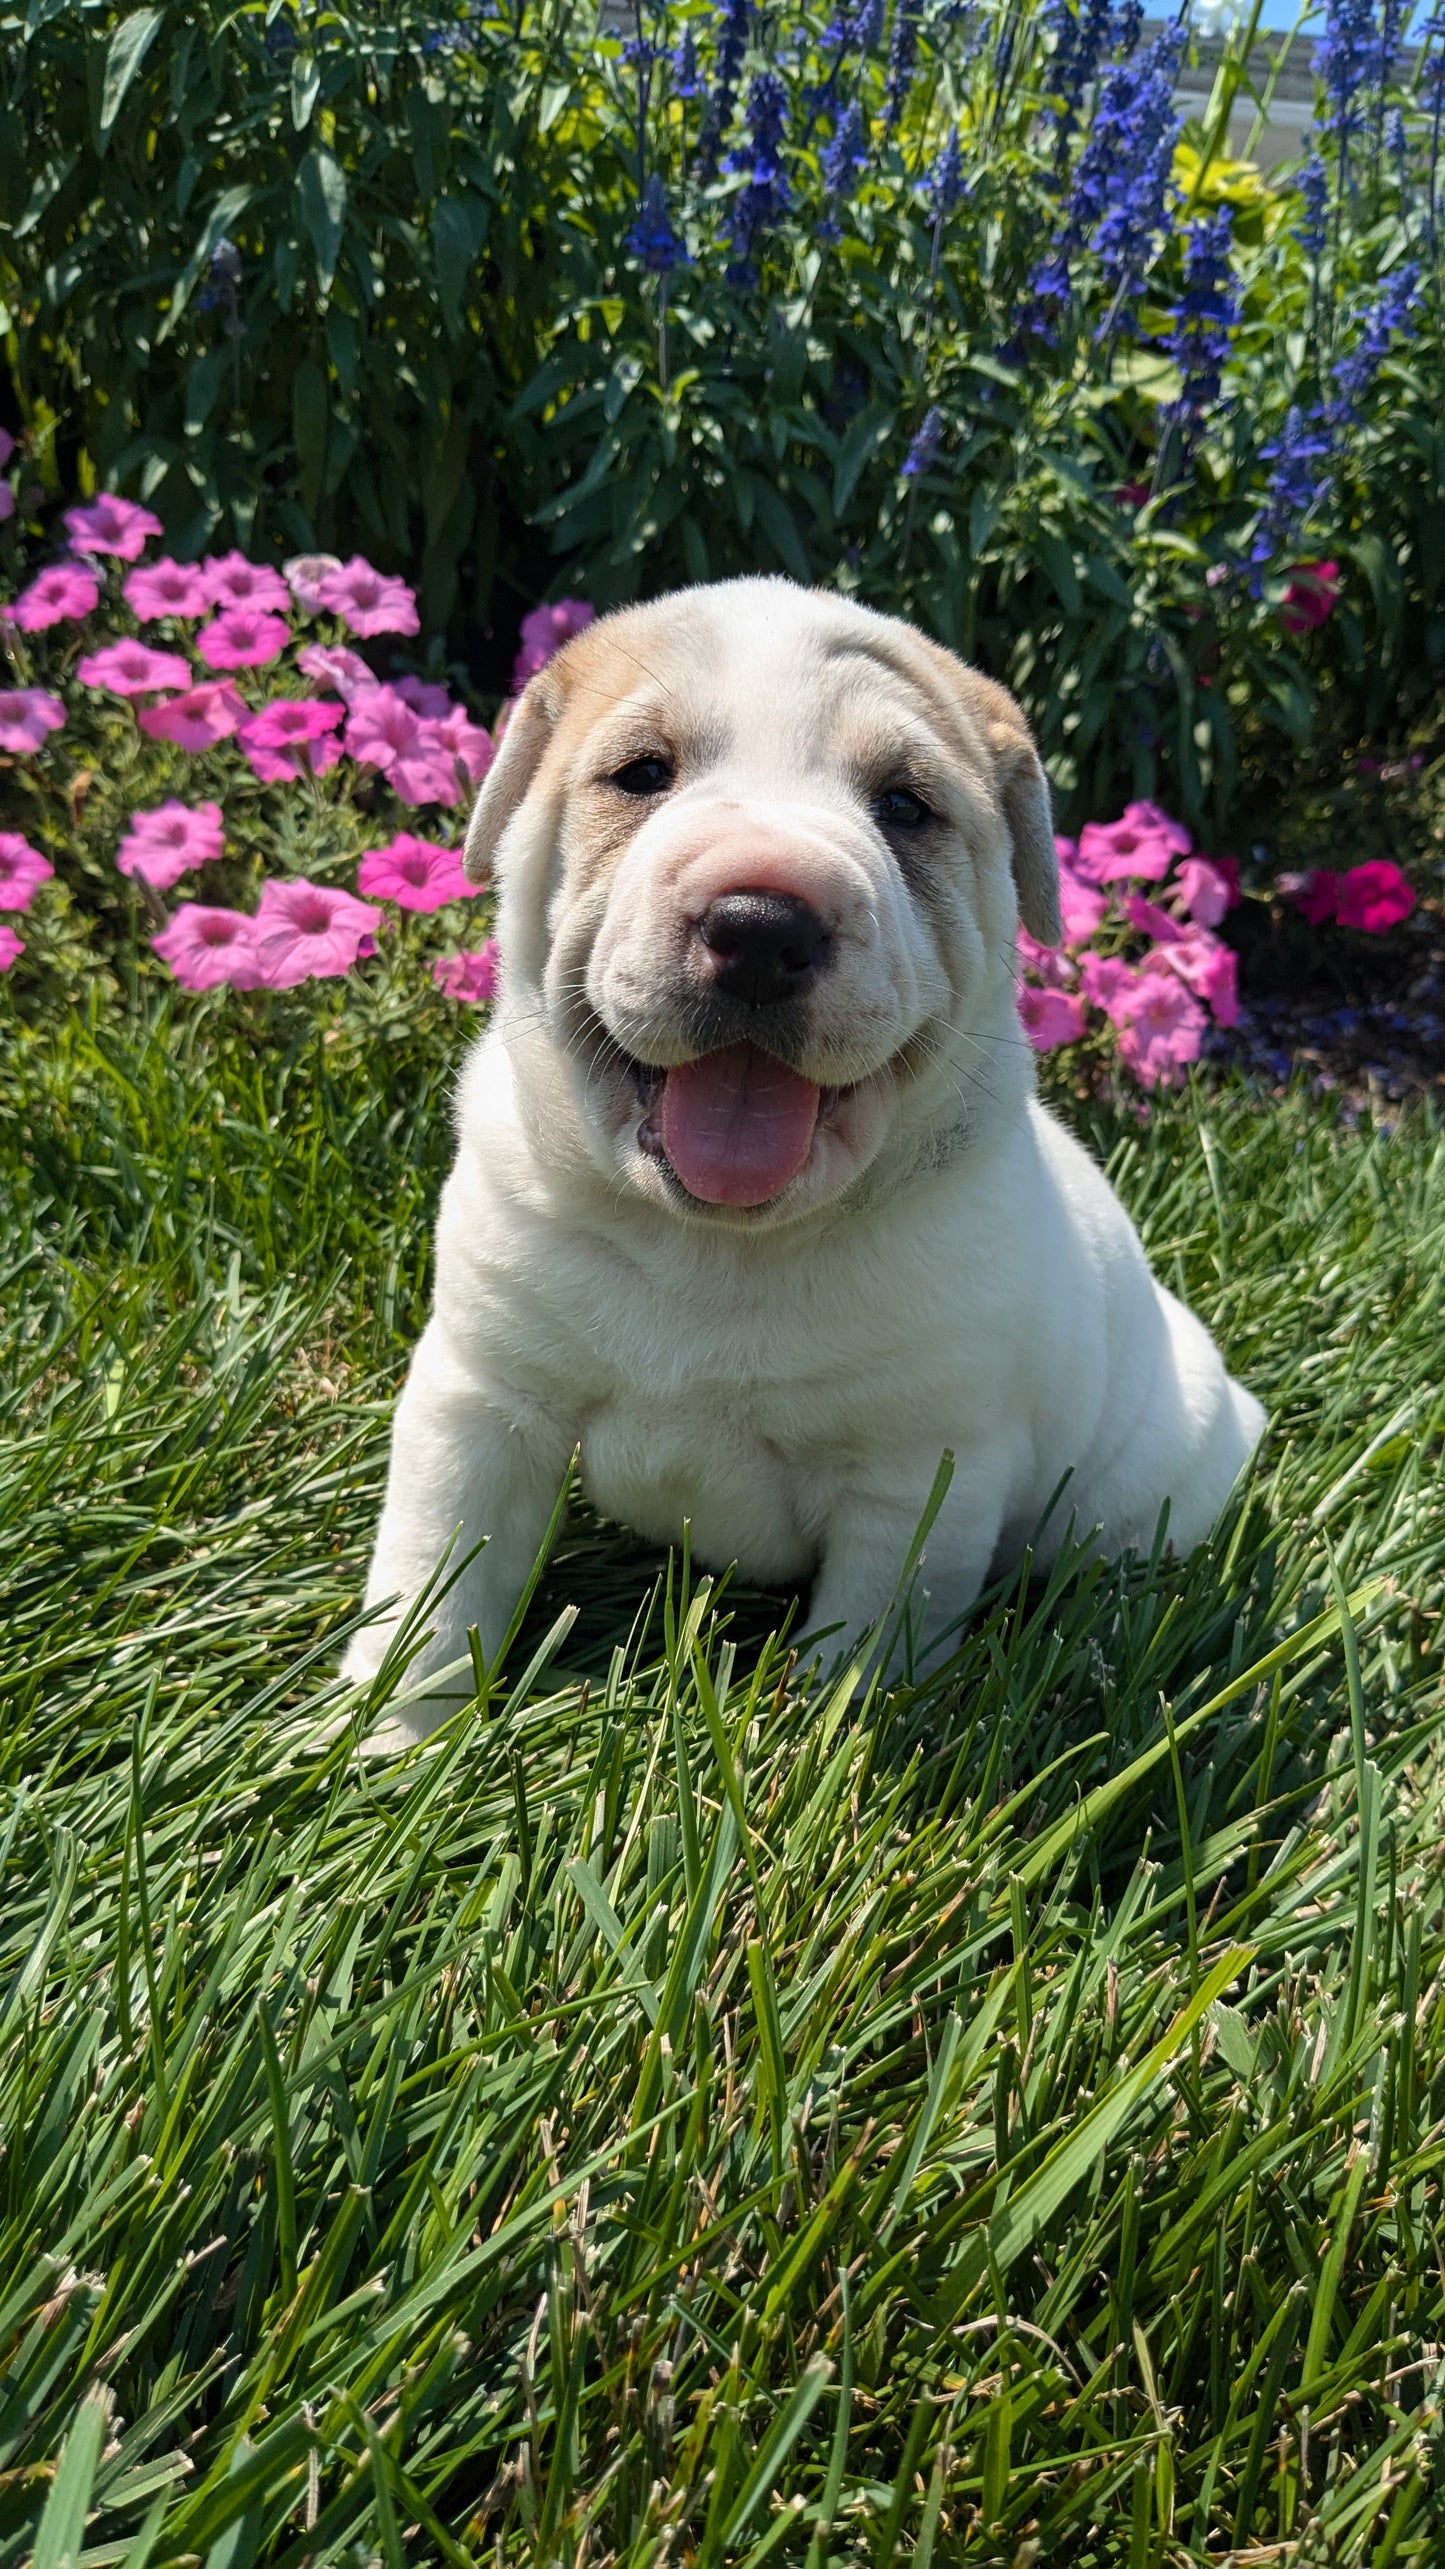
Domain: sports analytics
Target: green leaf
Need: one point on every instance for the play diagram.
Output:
(62, 2526)
(860, 444)
(127, 50)
(778, 524)
(458, 231)
(305, 87)
(310, 411)
(321, 193)
(226, 211)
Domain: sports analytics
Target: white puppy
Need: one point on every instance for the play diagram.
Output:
(753, 1198)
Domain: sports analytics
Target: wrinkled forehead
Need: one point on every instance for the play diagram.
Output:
(777, 690)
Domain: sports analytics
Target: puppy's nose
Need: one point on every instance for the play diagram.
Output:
(762, 947)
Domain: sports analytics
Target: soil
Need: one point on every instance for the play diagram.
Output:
(1363, 1016)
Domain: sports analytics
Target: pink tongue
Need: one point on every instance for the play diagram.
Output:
(737, 1125)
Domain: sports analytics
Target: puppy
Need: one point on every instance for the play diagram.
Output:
(753, 1198)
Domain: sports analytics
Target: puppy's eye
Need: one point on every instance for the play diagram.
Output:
(643, 777)
(899, 808)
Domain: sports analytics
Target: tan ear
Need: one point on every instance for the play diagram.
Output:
(1024, 793)
(509, 779)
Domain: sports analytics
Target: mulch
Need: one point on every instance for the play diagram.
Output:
(1361, 1017)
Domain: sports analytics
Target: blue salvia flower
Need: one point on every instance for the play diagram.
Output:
(760, 205)
(1296, 486)
(944, 182)
(1354, 373)
(1204, 317)
(1046, 298)
(845, 157)
(651, 237)
(1395, 141)
(1392, 25)
(925, 445)
(902, 55)
(1122, 181)
(734, 22)
(1314, 188)
(1343, 61)
(866, 26)
(686, 78)
(1080, 37)
(1127, 27)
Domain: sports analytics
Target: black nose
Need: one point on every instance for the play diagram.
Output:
(762, 946)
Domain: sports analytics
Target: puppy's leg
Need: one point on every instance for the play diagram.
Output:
(869, 1537)
(467, 1460)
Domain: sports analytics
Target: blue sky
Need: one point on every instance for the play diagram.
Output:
(1283, 13)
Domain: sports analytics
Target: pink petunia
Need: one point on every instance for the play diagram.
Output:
(382, 728)
(1316, 893)
(110, 525)
(303, 574)
(1051, 1018)
(289, 735)
(470, 977)
(67, 589)
(458, 739)
(1210, 969)
(1080, 907)
(544, 631)
(163, 588)
(26, 715)
(1047, 964)
(1162, 1029)
(22, 871)
(7, 448)
(10, 947)
(232, 581)
(368, 600)
(164, 844)
(242, 638)
(1204, 890)
(309, 932)
(1108, 983)
(1141, 844)
(1373, 897)
(415, 873)
(1314, 591)
(199, 718)
(1148, 920)
(206, 947)
(133, 669)
(432, 703)
(424, 775)
(330, 664)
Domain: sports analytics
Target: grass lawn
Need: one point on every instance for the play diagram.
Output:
(676, 2114)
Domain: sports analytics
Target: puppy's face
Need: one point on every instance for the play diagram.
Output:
(760, 856)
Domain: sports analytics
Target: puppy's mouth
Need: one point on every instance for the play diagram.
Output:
(734, 1127)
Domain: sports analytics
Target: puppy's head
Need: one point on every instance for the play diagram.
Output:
(761, 855)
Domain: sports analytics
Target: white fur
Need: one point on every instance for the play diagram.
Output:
(950, 1271)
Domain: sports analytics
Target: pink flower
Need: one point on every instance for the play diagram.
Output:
(204, 947)
(110, 525)
(1310, 600)
(199, 718)
(1204, 890)
(368, 600)
(472, 977)
(308, 932)
(1315, 893)
(462, 741)
(1163, 1029)
(1210, 969)
(1148, 920)
(1373, 897)
(26, 715)
(164, 844)
(1108, 983)
(1081, 909)
(303, 574)
(1051, 1018)
(166, 588)
(7, 448)
(1142, 844)
(133, 669)
(433, 704)
(1046, 963)
(22, 871)
(544, 631)
(10, 947)
(242, 638)
(1132, 494)
(415, 873)
(67, 589)
(332, 665)
(232, 581)
(7, 510)
(289, 734)
(382, 728)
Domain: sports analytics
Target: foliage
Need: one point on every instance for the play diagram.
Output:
(680, 2109)
(925, 309)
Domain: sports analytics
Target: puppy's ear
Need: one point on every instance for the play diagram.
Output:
(1023, 791)
(509, 779)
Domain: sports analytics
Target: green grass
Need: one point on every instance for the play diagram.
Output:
(675, 2115)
